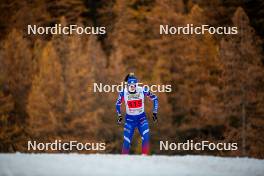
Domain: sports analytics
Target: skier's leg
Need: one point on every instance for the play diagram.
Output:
(143, 128)
(128, 134)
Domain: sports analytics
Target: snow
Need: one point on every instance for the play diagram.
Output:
(106, 164)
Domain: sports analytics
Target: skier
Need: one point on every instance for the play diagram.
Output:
(133, 96)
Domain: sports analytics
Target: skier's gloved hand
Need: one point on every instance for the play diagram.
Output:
(119, 120)
(155, 117)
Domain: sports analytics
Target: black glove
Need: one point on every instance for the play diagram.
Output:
(119, 120)
(155, 117)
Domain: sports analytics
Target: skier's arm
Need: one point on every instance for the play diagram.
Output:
(154, 99)
(119, 101)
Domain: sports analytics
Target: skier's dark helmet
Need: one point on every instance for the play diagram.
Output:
(131, 82)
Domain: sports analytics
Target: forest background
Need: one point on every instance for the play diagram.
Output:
(217, 80)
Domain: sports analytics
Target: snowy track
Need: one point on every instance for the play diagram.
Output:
(99, 164)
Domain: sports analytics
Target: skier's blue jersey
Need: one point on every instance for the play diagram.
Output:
(134, 102)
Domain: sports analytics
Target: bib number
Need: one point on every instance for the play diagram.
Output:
(134, 103)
